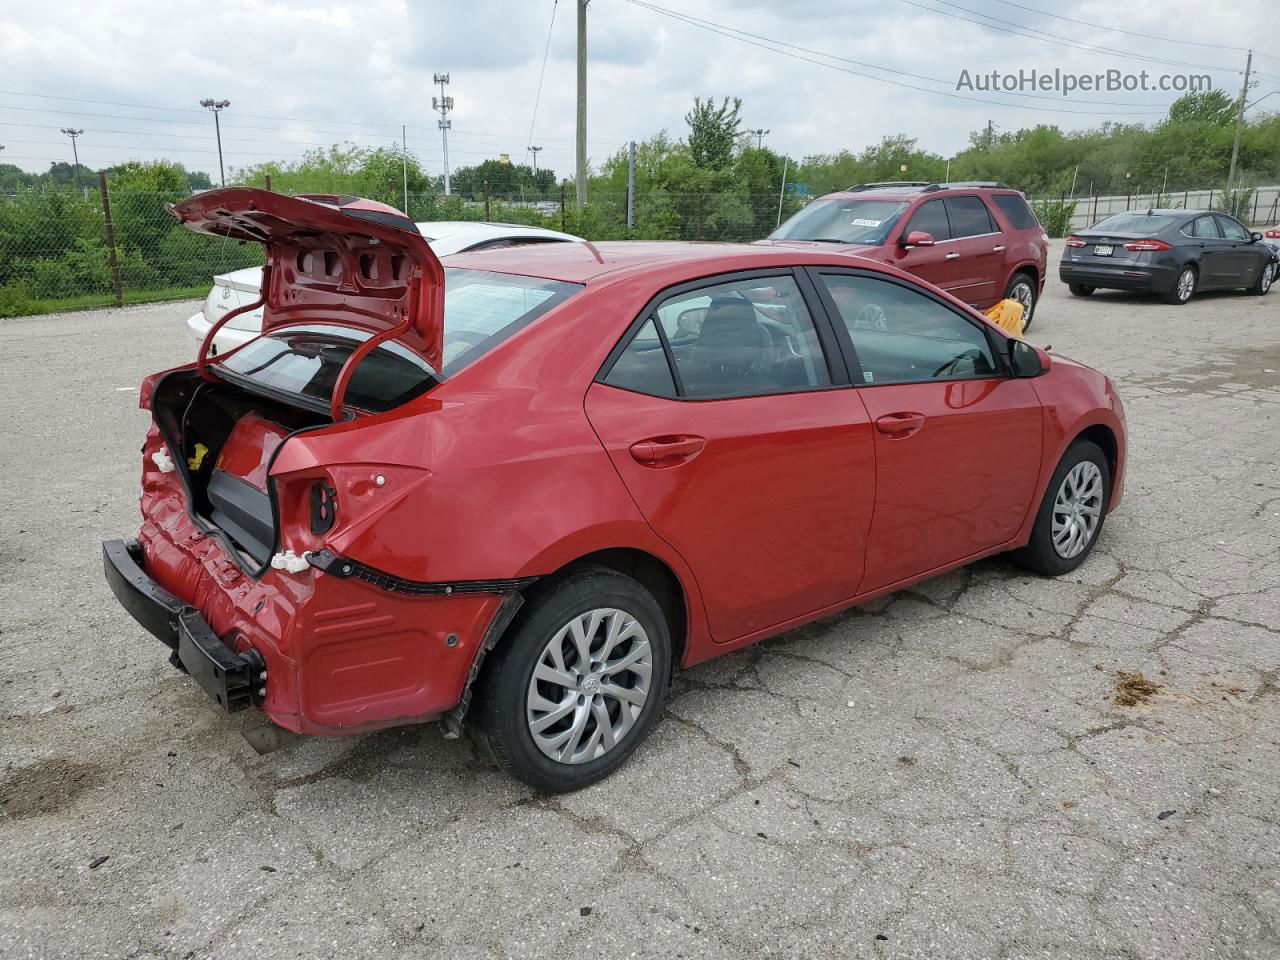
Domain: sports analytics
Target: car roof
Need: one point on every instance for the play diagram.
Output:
(912, 190)
(589, 262)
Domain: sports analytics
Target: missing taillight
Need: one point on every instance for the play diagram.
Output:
(324, 507)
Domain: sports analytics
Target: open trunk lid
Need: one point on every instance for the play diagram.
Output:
(332, 258)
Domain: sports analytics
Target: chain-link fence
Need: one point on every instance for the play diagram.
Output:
(1257, 206)
(56, 246)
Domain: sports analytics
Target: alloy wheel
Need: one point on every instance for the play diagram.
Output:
(1186, 284)
(1026, 296)
(1077, 509)
(589, 685)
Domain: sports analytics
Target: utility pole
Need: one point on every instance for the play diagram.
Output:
(216, 107)
(443, 105)
(631, 184)
(1235, 146)
(75, 154)
(404, 166)
(580, 198)
(760, 133)
(534, 151)
(991, 133)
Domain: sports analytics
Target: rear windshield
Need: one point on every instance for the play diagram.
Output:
(481, 309)
(1135, 223)
(305, 360)
(851, 220)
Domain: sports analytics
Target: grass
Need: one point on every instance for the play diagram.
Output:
(90, 301)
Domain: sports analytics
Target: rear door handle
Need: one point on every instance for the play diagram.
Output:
(667, 451)
(899, 425)
(999, 248)
(952, 256)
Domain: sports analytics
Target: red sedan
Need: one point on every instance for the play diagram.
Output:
(515, 491)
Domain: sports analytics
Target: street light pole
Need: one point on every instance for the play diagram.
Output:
(760, 134)
(534, 151)
(75, 154)
(215, 107)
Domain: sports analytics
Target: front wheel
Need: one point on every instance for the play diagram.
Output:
(1183, 287)
(1023, 289)
(566, 698)
(1265, 278)
(1072, 513)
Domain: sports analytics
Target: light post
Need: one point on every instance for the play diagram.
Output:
(442, 105)
(72, 132)
(215, 107)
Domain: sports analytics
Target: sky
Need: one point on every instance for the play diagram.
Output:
(818, 75)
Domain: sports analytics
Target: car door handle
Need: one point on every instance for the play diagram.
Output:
(899, 425)
(668, 451)
(952, 256)
(999, 248)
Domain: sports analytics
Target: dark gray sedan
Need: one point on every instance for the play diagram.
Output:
(1170, 252)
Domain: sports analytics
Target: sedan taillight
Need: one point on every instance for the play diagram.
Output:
(1142, 246)
(1074, 242)
(1273, 234)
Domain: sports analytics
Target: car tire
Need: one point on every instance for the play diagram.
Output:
(511, 721)
(1022, 287)
(1266, 276)
(1081, 289)
(1183, 289)
(1054, 548)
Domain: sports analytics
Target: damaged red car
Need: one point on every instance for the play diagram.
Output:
(514, 491)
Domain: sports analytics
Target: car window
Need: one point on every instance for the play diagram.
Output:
(969, 217)
(1148, 223)
(481, 309)
(1231, 228)
(741, 338)
(932, 219)
(903, 336)
(643, 366)
(1015, 208)
(852, 220)
(1205, 227)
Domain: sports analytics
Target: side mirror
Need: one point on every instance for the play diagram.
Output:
(1026, 360)
(1256, 237)
(917, 238)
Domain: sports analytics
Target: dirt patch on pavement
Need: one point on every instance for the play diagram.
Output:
(1133, 689)
(45, 787)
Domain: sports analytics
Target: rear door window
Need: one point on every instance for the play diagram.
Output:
(969, 217)
(1015, 208)
(1205, 228)
(931, 218)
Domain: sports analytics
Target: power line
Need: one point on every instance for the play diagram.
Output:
(897, 83)
(537, 98)
(1131, 33)
(862, 63)
(1040, 35)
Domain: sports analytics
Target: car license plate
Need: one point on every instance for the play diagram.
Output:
(1103, 250)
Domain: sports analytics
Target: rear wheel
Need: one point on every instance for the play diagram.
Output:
(1072, 512)
(574, 690)
(1183, 287)
(1023, 289)
(1081, 289)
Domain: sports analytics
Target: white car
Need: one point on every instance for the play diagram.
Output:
(231, 290)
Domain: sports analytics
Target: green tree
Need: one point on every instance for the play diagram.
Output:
(1212, 107)
(713, 131)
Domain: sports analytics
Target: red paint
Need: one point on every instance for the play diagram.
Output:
(768, 511)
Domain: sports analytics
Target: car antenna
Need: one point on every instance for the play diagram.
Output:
(594, 251)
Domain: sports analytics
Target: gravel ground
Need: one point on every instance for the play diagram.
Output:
(945, 774)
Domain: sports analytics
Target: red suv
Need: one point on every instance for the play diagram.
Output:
(980, 242)
(518, 487)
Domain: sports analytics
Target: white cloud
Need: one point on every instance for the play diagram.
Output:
(359, 70)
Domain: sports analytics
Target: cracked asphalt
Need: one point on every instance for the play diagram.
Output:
(943, 774)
